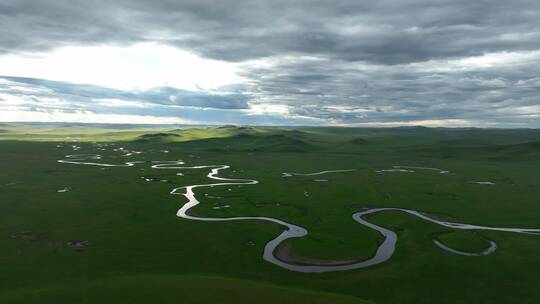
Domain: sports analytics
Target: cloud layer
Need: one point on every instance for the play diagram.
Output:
(469, 63)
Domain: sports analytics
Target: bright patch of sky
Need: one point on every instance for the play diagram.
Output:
(137, 67)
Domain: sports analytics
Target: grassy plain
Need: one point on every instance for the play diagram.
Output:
(138, 251)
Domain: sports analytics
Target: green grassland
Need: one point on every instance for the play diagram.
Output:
(139, 252)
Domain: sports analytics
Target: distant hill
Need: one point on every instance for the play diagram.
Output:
(157, 137)
(528, 150)
(280, 143)
(252, 143)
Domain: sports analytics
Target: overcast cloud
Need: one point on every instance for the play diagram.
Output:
(429, 62)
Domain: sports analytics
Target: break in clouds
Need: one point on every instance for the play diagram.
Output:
(388, 63)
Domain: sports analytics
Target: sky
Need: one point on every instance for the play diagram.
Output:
(436, 63)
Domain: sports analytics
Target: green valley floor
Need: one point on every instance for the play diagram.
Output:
(73, 233)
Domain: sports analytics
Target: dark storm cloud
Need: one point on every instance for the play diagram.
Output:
(376, 31)
(506, 95)
(340, 61)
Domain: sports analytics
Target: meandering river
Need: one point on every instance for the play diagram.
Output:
(383, 253)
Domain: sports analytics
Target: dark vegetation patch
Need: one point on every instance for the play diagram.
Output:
(157, 136)
(358, 141)
(239, 129)
(245, 128)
